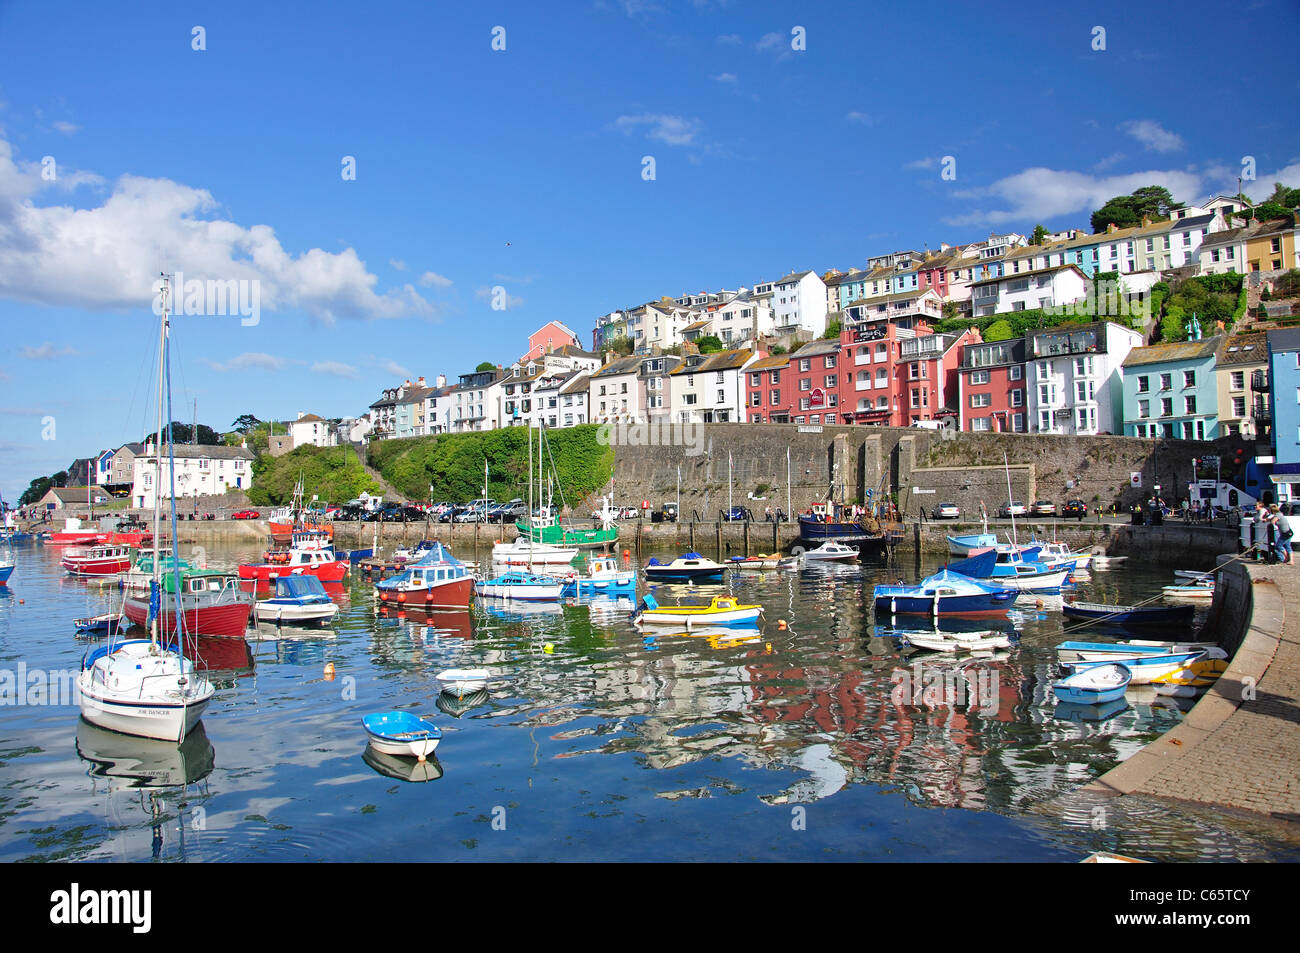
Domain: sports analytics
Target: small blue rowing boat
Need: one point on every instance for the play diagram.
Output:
(1129, 616)
(401, 733)
(1098, 685)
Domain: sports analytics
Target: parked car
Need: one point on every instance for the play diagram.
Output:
(737, 514)
(348, 514)
(1014, 508)
(946, 511)
(508, 512)
(670, 512)
(474, 513)
(246, 515)
(1043, 508)
(1075, 508)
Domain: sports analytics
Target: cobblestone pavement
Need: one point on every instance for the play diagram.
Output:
(1246, 756)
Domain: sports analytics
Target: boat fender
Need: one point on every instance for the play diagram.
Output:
(401, 597)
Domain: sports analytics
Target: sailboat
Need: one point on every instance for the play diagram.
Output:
(526, 550)
(141, 687)
(543, 527)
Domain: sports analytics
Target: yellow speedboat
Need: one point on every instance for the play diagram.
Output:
(722, 610)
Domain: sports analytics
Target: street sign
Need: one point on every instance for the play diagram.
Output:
(1135, 480)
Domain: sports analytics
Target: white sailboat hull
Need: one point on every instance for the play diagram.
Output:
(144, 719)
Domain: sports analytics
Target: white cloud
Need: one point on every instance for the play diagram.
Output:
(673, 130)
(107, 256)
(336, 368)
(431, 279)
(731, 39)
(390, 366)
(1152, 136)
(725, 77)
(769, 41)
(1103, 164)
(1042, 194)
(859, 117)
(928, 162)
(46, 352)
(249, 360)
(516, 279)
(67, 128)
(397, 263)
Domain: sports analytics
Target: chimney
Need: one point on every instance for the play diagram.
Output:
(301, 415)
(442, 380)
(408, 383)
(1112, 228)
(609, 357)
(1146, 220)
(420, 382)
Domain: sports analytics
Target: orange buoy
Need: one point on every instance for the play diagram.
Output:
(781, 625)
(329, 671)
(627, 554)
(401, 597)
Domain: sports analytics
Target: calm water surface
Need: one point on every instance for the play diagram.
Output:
(825, 739)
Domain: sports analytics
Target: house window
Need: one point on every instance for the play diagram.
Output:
(1144, 408)
(1189, 378)
(1166, 406)
(829, 380)
(755, 380)
(755, 399)
(979, 377)
(775, 397)
(1015, 372)
(830, 360)
(1239, 407)
(803, 403)
(1238, 381)
(1189, 405)
(1166, 381)
(1017, 398)
(805, 383)
(722, 397)
(1144, 384)
(981, 400)
(979, 424)
(804, 364)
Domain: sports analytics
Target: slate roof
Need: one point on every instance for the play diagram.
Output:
(1173, 351)
(1243, 349)
(1285, 339)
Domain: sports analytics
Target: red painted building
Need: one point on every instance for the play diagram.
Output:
(991, 387)
(767, 390)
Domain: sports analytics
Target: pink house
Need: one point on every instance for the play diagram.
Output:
(549, 337)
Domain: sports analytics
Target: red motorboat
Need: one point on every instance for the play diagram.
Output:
(437, 581)
(97, 560)
(212, 602)
(310, 554)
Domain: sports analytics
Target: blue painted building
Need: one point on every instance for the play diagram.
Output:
(1284, 391)
(1170, 390)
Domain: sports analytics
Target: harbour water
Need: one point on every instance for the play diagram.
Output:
(823, 739)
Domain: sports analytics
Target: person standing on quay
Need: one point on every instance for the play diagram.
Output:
(1282, 534)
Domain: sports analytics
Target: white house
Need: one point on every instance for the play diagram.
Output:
(799, 302)
(1041, 288)
(310, 429)
(1074, 380)
(475, 403)
(200, 470)
(613, 395)
(709, 388)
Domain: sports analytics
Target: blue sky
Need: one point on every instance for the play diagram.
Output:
(521, 168)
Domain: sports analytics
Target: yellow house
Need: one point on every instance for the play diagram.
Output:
(1271, 246)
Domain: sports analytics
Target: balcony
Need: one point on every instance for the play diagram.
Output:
(1259, 381)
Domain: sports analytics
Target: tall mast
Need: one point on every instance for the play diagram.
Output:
(157, 458)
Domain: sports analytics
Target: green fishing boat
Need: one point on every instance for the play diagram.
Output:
(542, 527)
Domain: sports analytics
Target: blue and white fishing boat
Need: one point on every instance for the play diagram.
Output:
(1073, 711)
(1097, 685)
(603, 577)
(1145, 666)
(6, 569)
(299, 599)
(945, 593)
(1073, 651)
(1012, 567)
(521, 587)
(401, 733)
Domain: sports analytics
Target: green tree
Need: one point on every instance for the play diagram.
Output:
(1039, 234)
(709, 344)
(1126, 211)
(184, 433)
(832, 330)
(999, 331)
(620, 345)
(1172, 325)
(1286, 197)
(777, 349)
(244, 423)
(485, 366)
